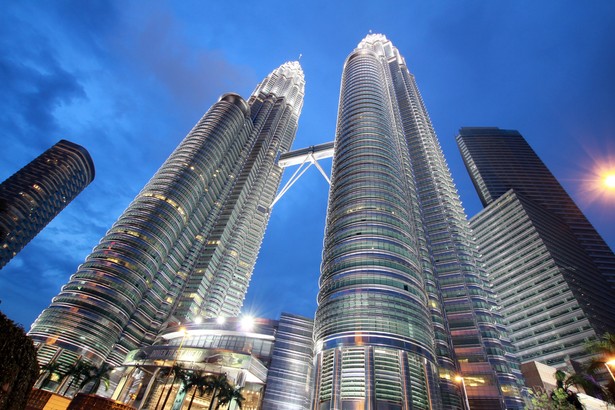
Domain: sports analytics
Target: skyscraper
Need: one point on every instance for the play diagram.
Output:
(499, 160)
(186, 245)
(552, 297)
(288, 378)
(35, 194)
(547, 264)
(403, 303)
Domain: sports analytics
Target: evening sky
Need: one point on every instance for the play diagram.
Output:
(128, 79)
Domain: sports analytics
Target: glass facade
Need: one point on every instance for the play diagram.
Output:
(498, 160)
(186, 246)
(34, 195)
(403, 302)
(229, 253)
(290, 371)
(551, 295)
(272, 353)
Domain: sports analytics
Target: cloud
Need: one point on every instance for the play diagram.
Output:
(31, 279)
(34, 85)
(36, 90)
(118, 79)
(193, 76)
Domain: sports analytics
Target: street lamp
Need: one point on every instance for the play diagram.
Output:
(465, 392)
(610, 363)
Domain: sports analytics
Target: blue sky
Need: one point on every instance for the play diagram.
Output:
(128, 79)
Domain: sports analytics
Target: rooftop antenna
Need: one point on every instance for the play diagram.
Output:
(300, 55)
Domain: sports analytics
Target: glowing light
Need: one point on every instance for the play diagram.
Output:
(596, 176)
(220, 320)
(609, 363)
(247, 323)
(198, 320)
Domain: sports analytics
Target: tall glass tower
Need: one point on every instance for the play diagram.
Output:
(498, 160)
(171, 256)
(36, 194)
(549, 267)
(403, 305)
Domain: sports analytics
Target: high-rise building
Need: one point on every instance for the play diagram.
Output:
(403, 306)
(499, 160)
(185, 247)
(534, 243)
(289, 374)
(551, 295)
(35, 194)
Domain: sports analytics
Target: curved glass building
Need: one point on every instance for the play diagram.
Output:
(171, 257)
(270, 360)
(34, 195)
(403, 305)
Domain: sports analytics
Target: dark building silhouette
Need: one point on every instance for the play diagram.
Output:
(543, 257)
(499, 160)
(34, 195)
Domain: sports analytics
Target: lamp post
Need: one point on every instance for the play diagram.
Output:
(184, 333)
(610, 363)
(465, 392)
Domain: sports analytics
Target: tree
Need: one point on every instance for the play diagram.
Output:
(604, 349)
(215, 386)
(563, 397)
(19, 368)
(199, 381)
(562, 392)
(227, 396)
(96, 375)
(51, 368)
(541, 400)
(178, 372)
(76, 371)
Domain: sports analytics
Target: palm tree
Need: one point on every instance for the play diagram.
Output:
(227, 396)
(178, 372)
(76, 371)
(51, 368)
(216, 385)
(562, 392)
(604, 348)
(563, 398)
(199, 381)
(96, 375)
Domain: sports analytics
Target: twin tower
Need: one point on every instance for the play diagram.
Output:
(403, 306)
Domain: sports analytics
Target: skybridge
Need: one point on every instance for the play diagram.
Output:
(305, 158)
